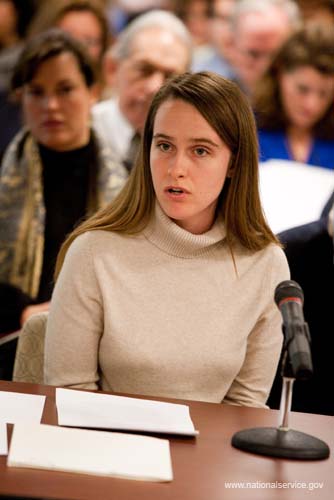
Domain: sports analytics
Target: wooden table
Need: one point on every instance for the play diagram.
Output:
(202, 466)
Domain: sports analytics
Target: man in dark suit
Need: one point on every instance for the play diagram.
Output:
(309, 250)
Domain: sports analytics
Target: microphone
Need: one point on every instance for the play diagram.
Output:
(282, 441)
(289, 298)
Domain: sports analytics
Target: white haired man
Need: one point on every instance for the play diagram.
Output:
(153, 47)
(259, 29)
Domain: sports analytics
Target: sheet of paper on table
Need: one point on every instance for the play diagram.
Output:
(293, 193)
(90, 452)
(18, 407)
(3, 438)
(95, 410)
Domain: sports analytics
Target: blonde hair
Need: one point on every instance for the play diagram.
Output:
(227, 110)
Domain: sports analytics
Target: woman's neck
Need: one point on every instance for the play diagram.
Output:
(300, 142)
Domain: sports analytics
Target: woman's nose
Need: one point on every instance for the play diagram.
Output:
(178, 166)
(51, 102)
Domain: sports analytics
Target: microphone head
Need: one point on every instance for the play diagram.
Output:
(287, 289)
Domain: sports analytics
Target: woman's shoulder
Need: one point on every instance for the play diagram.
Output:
(276, 261)
(14, 150)
(271, 135)
(271, 257)
(98, 242)
(274, 251)
(272, 144)
(93, 238)
(325, 143)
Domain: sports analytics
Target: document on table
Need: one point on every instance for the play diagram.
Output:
(90, 452)
(18, 407)
(95, 410)
(3, 438)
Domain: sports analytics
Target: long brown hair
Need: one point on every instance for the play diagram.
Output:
(312, 46)
(227, 110)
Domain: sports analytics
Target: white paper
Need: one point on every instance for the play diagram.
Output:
(293, 193)
(88, 409)
(18, 407)
(3, 439)
(90, 452)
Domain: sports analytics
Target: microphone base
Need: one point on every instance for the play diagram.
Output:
(274, 442)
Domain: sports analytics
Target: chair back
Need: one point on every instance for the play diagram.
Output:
(29, 358)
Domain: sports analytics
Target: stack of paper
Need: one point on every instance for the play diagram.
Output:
(90, 452)
(18, 407)
(293, 193)
(95, 410)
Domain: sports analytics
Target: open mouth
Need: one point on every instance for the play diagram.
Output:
(175, 191)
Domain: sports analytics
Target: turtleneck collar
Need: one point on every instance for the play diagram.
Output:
(174, 240)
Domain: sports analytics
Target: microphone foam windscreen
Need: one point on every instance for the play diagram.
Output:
(288, 288)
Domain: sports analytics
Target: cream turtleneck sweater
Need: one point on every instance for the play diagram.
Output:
(164, 313)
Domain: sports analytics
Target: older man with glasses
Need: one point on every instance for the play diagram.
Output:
(259, 29)
(153, 47)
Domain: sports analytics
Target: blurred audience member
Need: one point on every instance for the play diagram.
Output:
(317, 11)
(152, 48)
(196, 15)
(54, 172)
(294, 102)
(15, 17)
(309, 249)
(85, 20)
(218, 59)
(130, 9)
(259, 28)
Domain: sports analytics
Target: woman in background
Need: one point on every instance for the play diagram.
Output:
(294, 102)
(169, 290)
(53, 174)
(85, 20)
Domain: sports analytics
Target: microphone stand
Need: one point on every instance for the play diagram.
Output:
(282, 441)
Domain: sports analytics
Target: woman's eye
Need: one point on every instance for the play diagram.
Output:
(65, 90)
(163, 146)
(34, 92)
(303, 89)
(201, 152)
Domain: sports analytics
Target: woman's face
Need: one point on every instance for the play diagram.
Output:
(57, 103)
(189, 164)
(306, 95)
(84, 26)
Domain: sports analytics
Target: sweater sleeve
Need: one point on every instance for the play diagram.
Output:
(252, 385)
(75, 322)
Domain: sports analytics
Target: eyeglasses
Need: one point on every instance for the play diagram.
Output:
(257, 55)
(92, 42)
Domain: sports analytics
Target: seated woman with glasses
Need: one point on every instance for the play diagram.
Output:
(169, 290)
(294, 102)
(53, 174)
